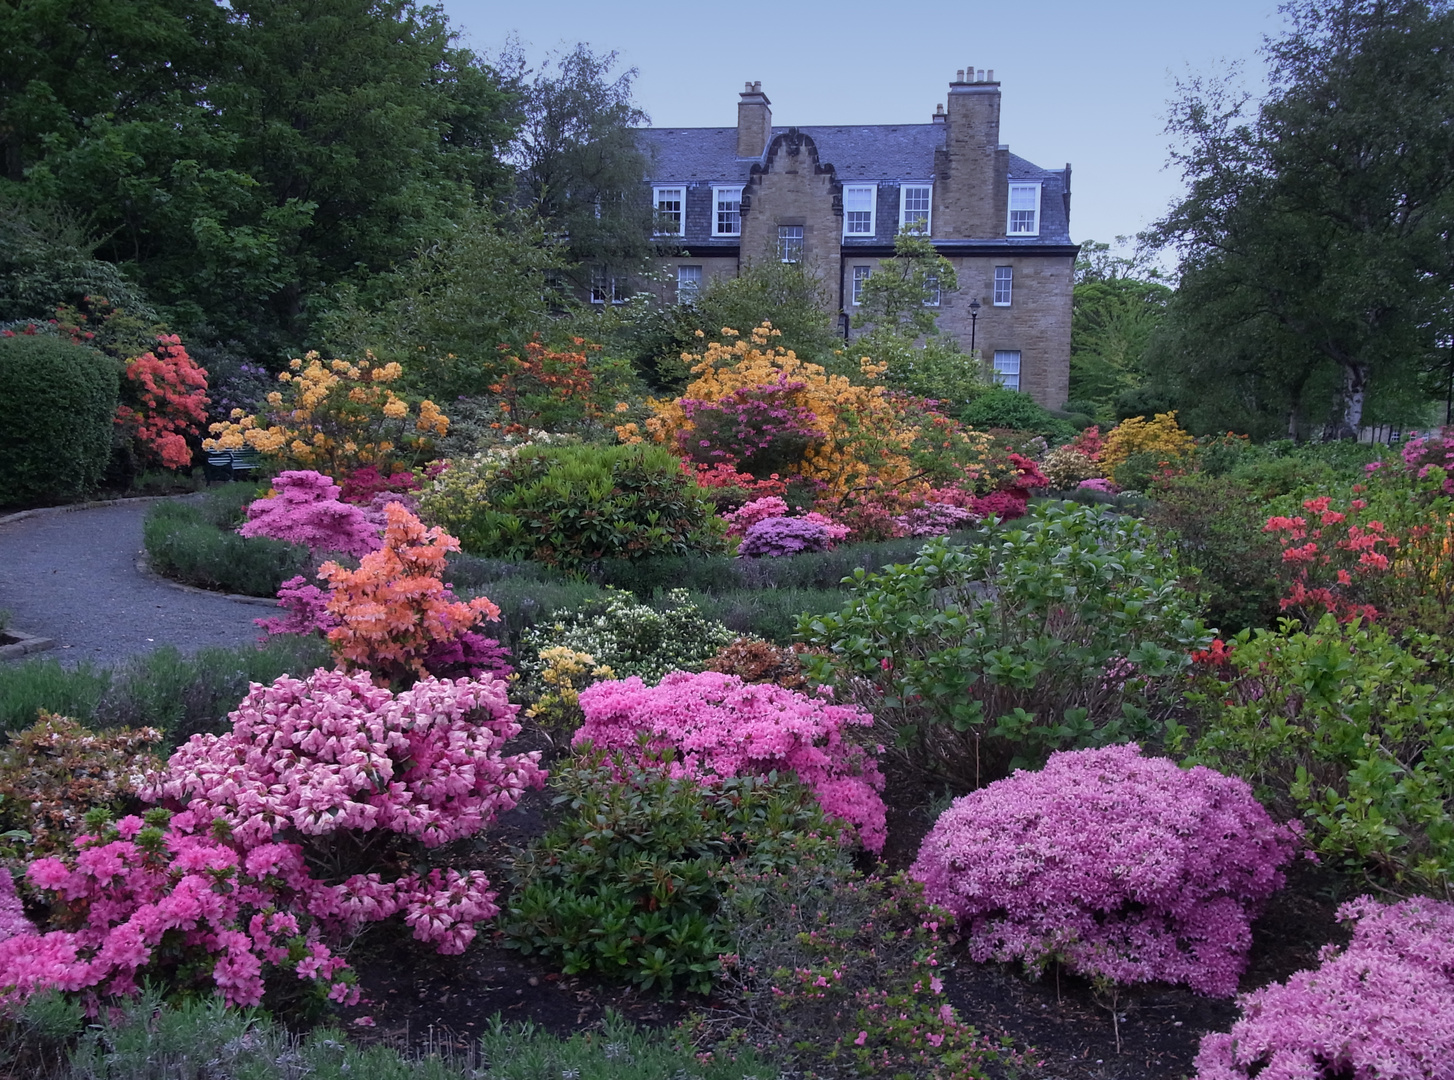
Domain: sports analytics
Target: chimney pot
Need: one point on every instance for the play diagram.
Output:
(747, 87)
(991, 75)
(981, 76)
(757, 86)
(959, 75)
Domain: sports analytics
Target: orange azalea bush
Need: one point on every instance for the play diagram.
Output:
(395, 608)
(336, 418)
(867, 438)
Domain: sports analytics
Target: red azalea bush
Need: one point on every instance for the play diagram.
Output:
(1125, 868)
(306, 820)
(164, 401)
(719, 726)
(305, 509)
(362, 486)
(1381, 1009)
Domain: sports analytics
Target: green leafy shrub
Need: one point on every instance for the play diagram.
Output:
(1002, 408)
(572, 506)
(626, 884)
(526, 603)
(840, 972)
(58, 401)
(632, 638)
(1348, 730)
(1215, 524)
(1274, 477)
(1058, 635)
(184, 543)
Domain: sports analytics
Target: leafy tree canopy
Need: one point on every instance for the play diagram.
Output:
(1315, 239)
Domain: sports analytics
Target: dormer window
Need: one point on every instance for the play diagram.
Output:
(671, 205)
(1024, 210)
(726, 211)
(858, 209)
(914, 207)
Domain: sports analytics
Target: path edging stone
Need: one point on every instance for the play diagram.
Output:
(24, 644)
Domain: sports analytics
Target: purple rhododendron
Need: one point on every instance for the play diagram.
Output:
(720, 726)
(306, 510)
(778, 536)
(1129, 868)
(1382, 1009)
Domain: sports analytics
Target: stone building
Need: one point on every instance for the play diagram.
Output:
(835, 197)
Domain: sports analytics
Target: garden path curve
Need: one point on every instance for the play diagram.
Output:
(71, 574)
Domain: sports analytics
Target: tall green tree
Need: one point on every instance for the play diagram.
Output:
(1315, 239)
(579, 163)
(1118, 305)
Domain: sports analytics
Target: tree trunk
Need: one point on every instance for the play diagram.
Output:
(1355, 388)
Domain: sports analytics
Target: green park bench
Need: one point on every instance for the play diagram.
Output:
(227, 465)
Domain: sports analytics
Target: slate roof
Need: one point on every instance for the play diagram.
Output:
(885, 154)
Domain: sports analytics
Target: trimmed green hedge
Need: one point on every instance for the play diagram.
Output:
(57, 409)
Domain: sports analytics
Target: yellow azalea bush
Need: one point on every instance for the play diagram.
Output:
(565, 673)
(1160, 435)
(336, 417)
(869, 437)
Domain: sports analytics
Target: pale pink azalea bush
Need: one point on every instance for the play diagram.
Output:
(1382, 1009)
(306, 510)
(330, 772)
(12, 912)
(1127, 868)
(716, 725)
(749, 514)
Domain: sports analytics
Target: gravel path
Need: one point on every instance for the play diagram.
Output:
(71, 575)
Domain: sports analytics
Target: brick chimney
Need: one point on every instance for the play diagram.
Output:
(754, 121)
(973, 197)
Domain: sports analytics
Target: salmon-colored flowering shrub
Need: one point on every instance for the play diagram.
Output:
(336, 417)
(1383, 1008)
(1125, 868)
(304, 508)
(716, 725)
(395, 609)
(164, 401)
(1327, 554)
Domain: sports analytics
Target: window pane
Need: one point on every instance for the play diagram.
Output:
(1007, 369)
(729, 212)
(790, 243)
(689, 283)
(1022, 197)
(932, 292)
(860, 275)
(860, 222)
(1004, 284)
(858, 198)
(669, 210)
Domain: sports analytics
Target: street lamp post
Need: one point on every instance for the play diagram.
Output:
(973, 319)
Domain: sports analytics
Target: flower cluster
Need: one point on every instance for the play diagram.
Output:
(363, 486)
(55, 772)
(164, 401)
(1327, 553)
(162, 896)
(757, 661)
(866, 434)
(778, 536)
(563, 675)
(1066, 467)
(336, 417)
(1125, 868)
(631, 638)
(394, 610)
(719, 726)
(547, 388)
(1423, 453)
(12, 912)
(1382, 1007)
(754, 428)
(1161, 435)
(304, 508)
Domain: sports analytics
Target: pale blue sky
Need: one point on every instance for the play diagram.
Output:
(1084, 83)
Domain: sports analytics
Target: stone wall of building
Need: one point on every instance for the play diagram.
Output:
(793, 189)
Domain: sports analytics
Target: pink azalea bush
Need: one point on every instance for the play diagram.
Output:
(328, 772)
(306, 510)
(935, 519)
(1433, 451)
(749, 514)
(1382, 1009)
(716, 725)
(1126, 868)
(12, 912)
(778, 536)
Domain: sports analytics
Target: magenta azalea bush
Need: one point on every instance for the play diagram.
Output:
(12, 912)
(1126, 868)
(306, 510)
(1382, 1009)
(307, 820)
(716, 725)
